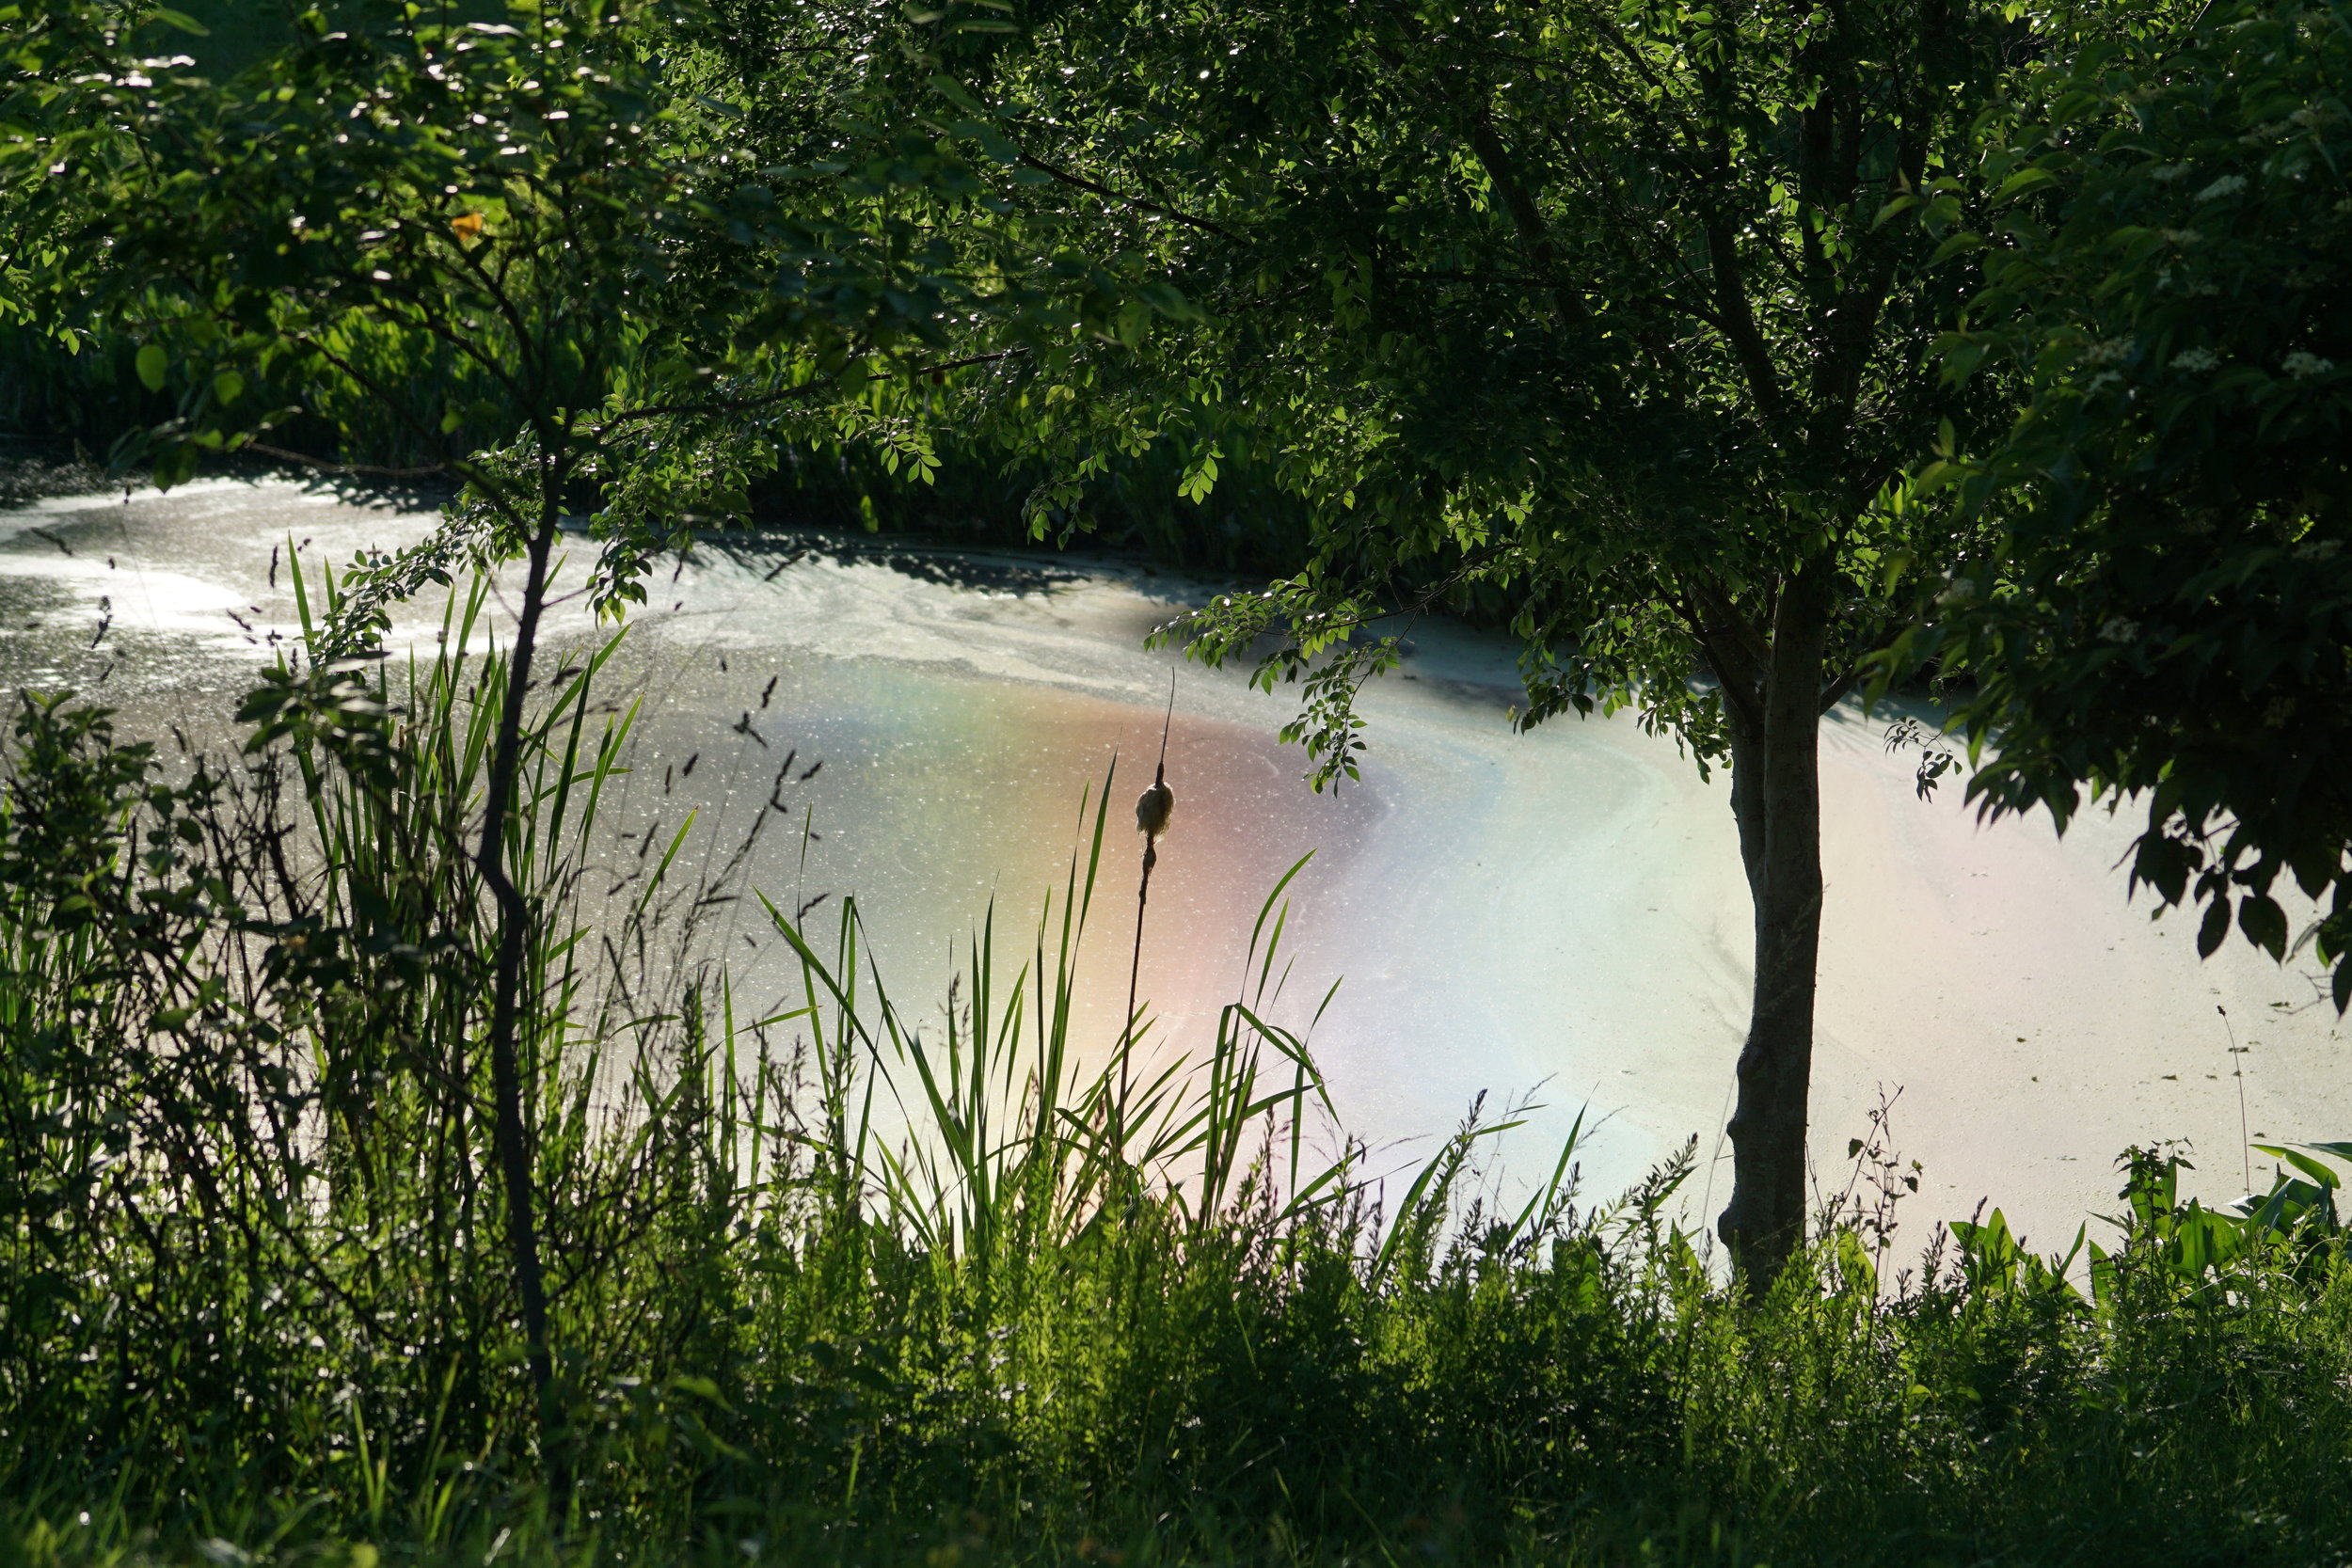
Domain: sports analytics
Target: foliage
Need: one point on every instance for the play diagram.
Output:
(392, 215)
(1605, 320)
(634, 269)
(2166, 610)
(1463, 298)
(836, 1283)
(372, 219)
(241, 1080)
(288, 1038)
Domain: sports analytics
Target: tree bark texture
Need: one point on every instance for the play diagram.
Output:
(1776, 796)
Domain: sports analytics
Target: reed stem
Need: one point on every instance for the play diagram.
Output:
(1152, 828)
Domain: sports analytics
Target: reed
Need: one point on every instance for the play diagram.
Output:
(847, 1281)
(1153, 808)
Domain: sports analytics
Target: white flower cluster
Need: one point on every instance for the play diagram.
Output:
(2196, 359)
(2168, 172)
(2112, 352)
(2229, 184)
(2179, 236)
(2302, 366)
(2313, 115)
(2318, 550)
(2119, 629)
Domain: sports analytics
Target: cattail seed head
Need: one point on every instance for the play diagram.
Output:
(1153, 809)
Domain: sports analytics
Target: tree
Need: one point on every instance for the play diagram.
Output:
(2166, 611)
(1608, 320)
(538, 210)
(46, 48)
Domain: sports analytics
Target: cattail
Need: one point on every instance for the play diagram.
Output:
(1153, 807)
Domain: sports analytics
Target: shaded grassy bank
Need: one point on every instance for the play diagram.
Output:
(862, 1279)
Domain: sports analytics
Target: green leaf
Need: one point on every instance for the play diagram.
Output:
(180, 19)
(954, 92)
(152, 363)
(1897, 564)
(227, 387)
(1964, 240)
(2023, 181)
(2322, 1173)
(1960, 363)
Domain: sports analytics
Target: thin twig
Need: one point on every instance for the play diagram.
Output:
(2246, 1139)
(1082, 183)
(325, 466)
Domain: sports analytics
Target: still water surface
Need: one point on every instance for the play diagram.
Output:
(1557, 915)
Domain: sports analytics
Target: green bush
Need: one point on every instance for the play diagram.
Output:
(258, 1304)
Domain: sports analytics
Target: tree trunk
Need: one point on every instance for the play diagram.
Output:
(1776, 793)
(506, 1087)
(1747, 795)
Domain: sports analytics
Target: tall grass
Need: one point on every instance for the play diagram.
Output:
(856, 1280)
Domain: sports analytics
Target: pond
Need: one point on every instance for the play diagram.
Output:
(1555, 917)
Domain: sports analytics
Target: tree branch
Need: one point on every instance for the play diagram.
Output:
(1082, 183)
(1739, 653)
(1534, 236)
(1738, 323)
(1834, 692)
(320, 464)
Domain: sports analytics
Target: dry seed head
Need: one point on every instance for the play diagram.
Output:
(1153, 809)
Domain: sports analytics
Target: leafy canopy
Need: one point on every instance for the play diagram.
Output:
(2166, 610)
(1604, 320)
(535, 245)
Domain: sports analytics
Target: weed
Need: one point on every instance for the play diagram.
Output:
(836, 1283)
